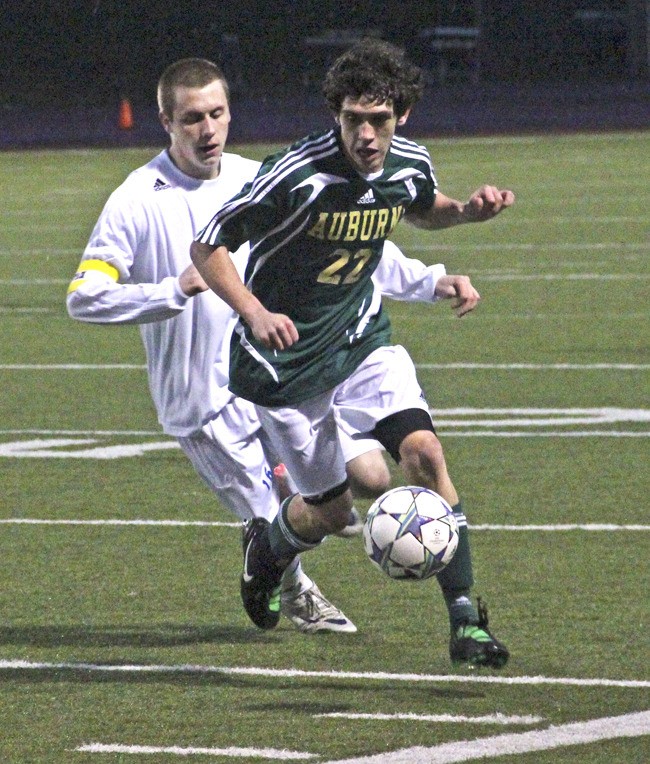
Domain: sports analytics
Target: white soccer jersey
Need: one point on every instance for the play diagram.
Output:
(129, 275)
(406, 279)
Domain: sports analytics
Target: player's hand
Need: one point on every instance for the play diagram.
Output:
(487, 202)
(460, 291)
(274, 330)
(191, 282)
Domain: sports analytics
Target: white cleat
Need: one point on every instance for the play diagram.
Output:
(311, 612)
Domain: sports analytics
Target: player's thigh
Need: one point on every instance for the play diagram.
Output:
(384, 384)
(228, 454)
(307, 441)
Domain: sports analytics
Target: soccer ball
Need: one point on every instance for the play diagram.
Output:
(410, 533)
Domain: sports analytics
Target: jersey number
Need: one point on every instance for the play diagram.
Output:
(332, 274)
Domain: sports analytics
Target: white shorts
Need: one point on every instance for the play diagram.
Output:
(235, 458)
(383, 384)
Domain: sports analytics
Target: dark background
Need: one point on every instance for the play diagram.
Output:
(74, 61)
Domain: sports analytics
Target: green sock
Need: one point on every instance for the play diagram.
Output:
(456, 579)
(285, 542)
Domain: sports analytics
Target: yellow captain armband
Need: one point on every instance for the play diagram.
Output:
(86, 266)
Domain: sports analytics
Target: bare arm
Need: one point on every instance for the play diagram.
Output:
(274, 330)
(445, 212)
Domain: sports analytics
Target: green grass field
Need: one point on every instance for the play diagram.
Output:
(127, 643)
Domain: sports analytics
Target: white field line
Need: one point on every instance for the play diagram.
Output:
(233, 752)
(40, 253)
(497, 246)
(437, 366)
(565, 277)
(70, 366)
(84, 433)
(3, 309)
(551, 434)
(33, 282)
(556, 736)
(116, 522)
(539, 366)
(46, 449)
(530, 246)
(22, 665)
(497, 718)
(458, 422)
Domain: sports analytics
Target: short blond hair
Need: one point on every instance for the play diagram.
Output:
(189, 73)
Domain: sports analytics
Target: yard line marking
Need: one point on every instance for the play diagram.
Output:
(254, 753)
(39, 252)
(451, 365)
(33, 282)
(562, 527)
(565, 277)
(539, 366)
(556, 736)
(137, 433)
(497, 718)
(528, 246)
(551, 434)
(17, 665)
(28, 311)
(460, 422)
(220, 524)
(608, 412)
(116, 522)
(46, 449)
(69, 366)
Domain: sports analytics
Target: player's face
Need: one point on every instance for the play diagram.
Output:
(367, 128)
(198, 129)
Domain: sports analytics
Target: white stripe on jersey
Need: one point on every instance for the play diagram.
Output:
(263, 184)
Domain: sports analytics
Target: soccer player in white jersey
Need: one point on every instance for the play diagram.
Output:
(136, 270)
(313, 342)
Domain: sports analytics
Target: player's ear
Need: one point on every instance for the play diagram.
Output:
(402, 120)
(165, 121)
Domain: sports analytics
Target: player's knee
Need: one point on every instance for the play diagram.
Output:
(421, 454)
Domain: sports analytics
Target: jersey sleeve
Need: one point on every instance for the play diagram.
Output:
(248, 215)
(100, 291)
(404, 278)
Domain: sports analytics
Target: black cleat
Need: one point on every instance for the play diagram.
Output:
(473, 644)
(261, 578)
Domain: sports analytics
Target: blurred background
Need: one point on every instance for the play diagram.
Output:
(491, 66)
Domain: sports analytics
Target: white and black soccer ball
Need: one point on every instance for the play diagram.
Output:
(410, 533)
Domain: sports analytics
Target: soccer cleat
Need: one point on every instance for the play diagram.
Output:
(311, 612)
(353, 527)
(260, 580)
(473, 644)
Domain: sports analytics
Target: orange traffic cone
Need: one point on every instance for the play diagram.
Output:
(126, 115)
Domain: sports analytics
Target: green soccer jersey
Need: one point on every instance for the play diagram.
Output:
(316, 229)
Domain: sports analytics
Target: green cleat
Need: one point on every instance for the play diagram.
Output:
(473, 645)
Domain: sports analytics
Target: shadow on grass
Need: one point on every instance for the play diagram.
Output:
(160, 635)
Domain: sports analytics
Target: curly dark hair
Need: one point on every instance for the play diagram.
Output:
(376, 70)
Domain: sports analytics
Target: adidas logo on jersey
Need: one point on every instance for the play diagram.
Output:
(367, 198)
(160, 184)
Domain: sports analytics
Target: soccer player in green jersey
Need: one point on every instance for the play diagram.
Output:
(312, 334)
